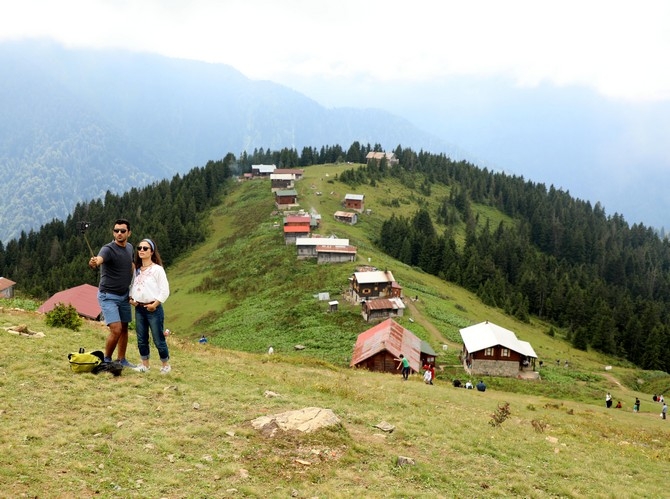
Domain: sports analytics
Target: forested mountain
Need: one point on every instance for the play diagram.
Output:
(78, 123)
(555, 257)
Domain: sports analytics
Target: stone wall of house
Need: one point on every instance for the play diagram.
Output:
(495, 367)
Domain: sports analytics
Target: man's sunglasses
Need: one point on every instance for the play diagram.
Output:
(122, 231)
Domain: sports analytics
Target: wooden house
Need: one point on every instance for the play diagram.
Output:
(283, 178)
(354, 202)
(296, 173)
(374, 284)
(307, 246)
(286, 199)
(382, 308)
(293, 232)
(377, 348)
(377, 157)
(328, 253)
(6, 288)
(489, 349)
(346, 217)
(262, 170)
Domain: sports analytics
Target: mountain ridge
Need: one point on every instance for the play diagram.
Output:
(81, 122)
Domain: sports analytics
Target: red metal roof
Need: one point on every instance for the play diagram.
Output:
(5, 283)
(84, 298)
(389, 336)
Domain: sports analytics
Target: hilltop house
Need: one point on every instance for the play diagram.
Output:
(378, 156)
(354, 202)
(382, 308)
(307, 246)
(373, 284)
(262, 170)
(296, 226)
(329, 253)
(283, 178)
(286, 199)
(6, 288)
(492, 350)
(346, 217)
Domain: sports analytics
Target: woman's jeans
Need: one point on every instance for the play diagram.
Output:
(145, 321)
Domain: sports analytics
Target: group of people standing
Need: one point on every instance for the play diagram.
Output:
(136, 279)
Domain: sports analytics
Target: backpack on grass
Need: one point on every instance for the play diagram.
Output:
(85, 362)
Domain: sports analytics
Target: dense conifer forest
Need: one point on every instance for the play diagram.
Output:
(605, 283)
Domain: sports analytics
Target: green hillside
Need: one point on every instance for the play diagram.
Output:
(189, 434)
(245, 290)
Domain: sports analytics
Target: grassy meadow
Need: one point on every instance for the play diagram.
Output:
(189, 434)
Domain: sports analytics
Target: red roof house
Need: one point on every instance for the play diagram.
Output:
(377, 348)
(84, 298)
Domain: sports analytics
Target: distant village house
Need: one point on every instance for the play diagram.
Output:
(346, 217)
(296, 226)
(382, 308)
(6, 288)
(262, 170)
(378, 156)
(307, 246)
(286, 199)
(373, 284)
(355, 202)
(283, 178)
(328, 253)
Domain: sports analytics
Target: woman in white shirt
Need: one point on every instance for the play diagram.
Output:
(148, 292)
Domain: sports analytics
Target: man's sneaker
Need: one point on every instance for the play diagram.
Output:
(166, 369)
(141, 368)
(107, 359)
(125, 363)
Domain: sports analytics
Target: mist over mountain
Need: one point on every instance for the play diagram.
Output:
(79, 123)
(599, 149)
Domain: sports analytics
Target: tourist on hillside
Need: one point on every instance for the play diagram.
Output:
(115, 260)
(432, 373)
(661, 399)
(664, 411)
(427, 378)
(468, 385)
(608, 400)
(481, 386)
(404, 363)
(636, 405)
(149, 291)
(618, 404)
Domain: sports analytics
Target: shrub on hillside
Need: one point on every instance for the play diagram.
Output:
(64, 316)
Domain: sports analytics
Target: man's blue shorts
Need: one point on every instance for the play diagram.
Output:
(115, 308)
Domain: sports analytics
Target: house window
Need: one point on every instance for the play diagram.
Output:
(504, 352)
(488, 352)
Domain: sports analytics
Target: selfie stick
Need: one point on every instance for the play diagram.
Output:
(82, 228)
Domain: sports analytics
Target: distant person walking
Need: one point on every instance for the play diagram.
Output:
(115, 261)
(608, 400)
(664, 411)
(404, 363)
(636, 406)
(148, 292)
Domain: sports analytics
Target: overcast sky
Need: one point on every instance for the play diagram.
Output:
(618, 47)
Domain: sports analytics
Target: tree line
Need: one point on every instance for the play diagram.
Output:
(607, 284)
(604, 282)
